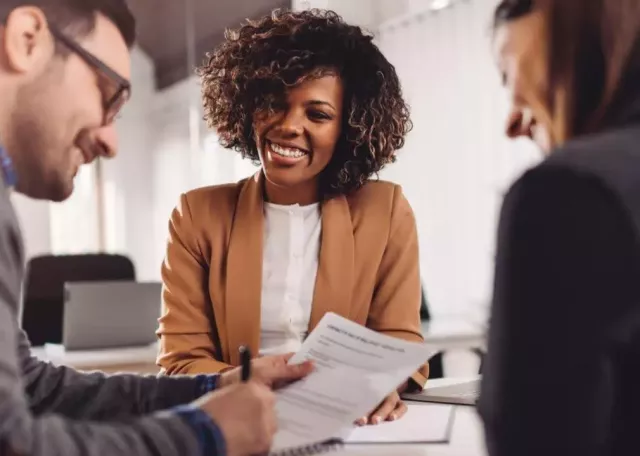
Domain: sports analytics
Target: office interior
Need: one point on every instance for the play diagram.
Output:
(454, 167)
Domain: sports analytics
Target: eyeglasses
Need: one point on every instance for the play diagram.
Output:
(112, 104)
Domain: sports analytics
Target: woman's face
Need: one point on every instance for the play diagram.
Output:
(521, 52)
(297, 140)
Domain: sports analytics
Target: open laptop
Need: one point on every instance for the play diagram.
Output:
(110, 314)
(463, 393)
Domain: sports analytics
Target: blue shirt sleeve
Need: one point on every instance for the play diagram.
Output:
(212, 442)
(206, 383)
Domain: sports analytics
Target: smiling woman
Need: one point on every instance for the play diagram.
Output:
(259, 263)
(288, 66)
(293, 161)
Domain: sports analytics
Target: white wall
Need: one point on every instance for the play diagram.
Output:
(388, 9)
(456, 163)
(128, 178)
(35, 222)
(173, 169)
(359, 12)
(177, 167)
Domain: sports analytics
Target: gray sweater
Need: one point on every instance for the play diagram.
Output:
(55, 411)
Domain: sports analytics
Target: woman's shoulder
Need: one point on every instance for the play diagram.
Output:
(378, 199)
(377, 193)
(215, 194)
(209, 208)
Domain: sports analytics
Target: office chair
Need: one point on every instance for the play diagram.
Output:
(44, 291)
(436, 365)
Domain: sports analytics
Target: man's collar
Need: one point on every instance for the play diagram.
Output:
(9, 176)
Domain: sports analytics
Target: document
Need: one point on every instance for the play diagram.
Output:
(356, 368)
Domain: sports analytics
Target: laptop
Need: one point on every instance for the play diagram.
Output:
(463, 393)
(110, 314)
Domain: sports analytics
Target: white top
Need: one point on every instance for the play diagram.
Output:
(289, 268)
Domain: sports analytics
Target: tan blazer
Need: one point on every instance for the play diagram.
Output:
(368, 272)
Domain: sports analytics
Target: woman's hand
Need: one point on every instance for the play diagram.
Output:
(391, 409)
(272, 371)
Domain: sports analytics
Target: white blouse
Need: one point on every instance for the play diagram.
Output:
(289, 268)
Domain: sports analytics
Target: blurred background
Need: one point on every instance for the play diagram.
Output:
(454, 168)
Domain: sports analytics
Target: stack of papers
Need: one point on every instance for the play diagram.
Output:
(356, 368)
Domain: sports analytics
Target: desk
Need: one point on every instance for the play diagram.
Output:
(467, 437)
(132, 360)
(440, 334)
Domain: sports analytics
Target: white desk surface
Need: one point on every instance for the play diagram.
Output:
(108, 357)
(467, 437)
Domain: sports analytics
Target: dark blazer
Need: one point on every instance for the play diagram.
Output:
(562, 375)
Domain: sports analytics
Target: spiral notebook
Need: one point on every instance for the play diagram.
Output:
(310, 450)
(423, 423)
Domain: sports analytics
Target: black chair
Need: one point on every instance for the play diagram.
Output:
(44, 292)
(436, 365)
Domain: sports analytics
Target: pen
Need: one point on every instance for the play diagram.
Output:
(245, 359)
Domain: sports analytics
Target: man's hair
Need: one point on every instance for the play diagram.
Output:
(78, 17)
(252, 70)
(594, 58)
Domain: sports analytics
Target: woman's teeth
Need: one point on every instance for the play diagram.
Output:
(287, 151)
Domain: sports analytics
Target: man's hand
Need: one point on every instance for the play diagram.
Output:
(272, 371)
(245, 414)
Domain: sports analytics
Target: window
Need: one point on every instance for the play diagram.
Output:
(74, 222)
(221, 166)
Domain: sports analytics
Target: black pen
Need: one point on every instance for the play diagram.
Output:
(245, 360)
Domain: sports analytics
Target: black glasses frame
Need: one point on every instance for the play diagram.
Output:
(123, 92)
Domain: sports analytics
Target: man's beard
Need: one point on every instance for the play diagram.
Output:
(34, 149)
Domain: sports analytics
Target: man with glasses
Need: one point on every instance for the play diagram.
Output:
(64, 68)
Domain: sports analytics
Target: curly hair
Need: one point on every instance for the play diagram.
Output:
(256, 64)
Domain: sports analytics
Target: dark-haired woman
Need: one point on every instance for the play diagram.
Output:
(313, 100)
(562, 376)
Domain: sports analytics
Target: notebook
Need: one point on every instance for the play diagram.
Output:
(465, 393)
(423, 423)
